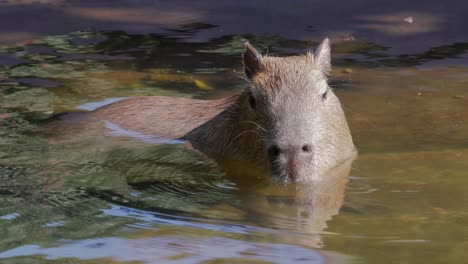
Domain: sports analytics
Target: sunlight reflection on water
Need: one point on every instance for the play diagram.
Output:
(157, 249)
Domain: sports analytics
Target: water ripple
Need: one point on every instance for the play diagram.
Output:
(179, 250)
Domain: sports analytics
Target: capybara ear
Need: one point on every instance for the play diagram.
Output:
(322, 57)
(251, 59)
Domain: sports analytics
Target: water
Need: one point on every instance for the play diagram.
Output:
(114, 196)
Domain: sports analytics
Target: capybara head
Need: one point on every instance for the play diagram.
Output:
(299, 117)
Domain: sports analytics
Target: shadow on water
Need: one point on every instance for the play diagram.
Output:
(114, 197)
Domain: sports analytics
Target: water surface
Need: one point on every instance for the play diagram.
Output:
(83, 196)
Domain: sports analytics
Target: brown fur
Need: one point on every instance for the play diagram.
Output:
(165, 117)
(217, 128)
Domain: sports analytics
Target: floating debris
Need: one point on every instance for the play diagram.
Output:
(409, 20)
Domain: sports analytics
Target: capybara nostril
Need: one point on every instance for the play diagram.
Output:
(306, 148)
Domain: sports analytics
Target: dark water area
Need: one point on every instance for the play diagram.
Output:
(74, 195)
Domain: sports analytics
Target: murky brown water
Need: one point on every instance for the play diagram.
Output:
(75, 196)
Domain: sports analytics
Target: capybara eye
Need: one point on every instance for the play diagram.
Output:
(252, 101)
(324, 95)
(274, 151)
